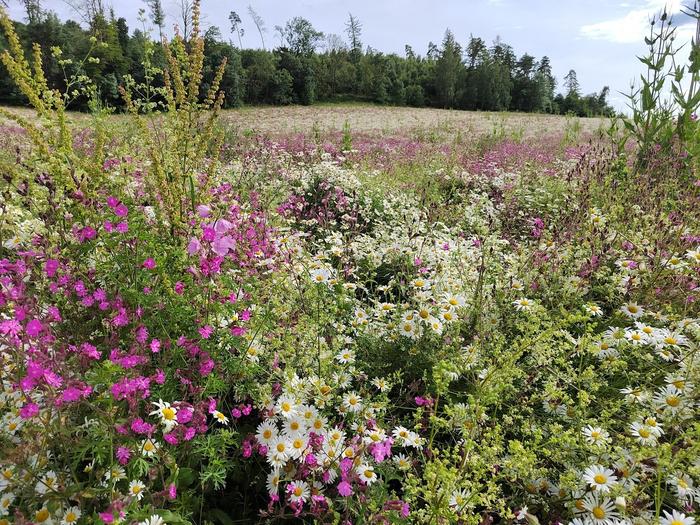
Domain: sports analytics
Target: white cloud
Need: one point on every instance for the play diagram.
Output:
(634, 26)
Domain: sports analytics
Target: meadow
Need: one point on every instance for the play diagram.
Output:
(345, 314)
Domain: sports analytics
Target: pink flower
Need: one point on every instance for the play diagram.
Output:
(29, 410)
(33, 328)
(172, 491)
(149, 264)
(50, 267)
(344, 489)
(203, 211)
(121, 210)
(179, 287)
(123, 455)
(122, 227)
(155, 346)
(194, 246)
(206, 331)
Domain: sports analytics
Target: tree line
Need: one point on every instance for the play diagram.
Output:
(306, 66)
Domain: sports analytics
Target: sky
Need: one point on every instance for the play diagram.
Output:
(599, 39)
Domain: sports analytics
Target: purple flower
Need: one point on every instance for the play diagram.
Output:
(149, 264)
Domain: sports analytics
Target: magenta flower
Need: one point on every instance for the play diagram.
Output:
(344, 489)
(149, 264)
(29, 410)
(123, 455)
(33, 328)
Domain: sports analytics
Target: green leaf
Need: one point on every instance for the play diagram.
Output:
(220, 516)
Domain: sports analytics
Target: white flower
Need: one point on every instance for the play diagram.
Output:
(600, 478)
(459, 499)
(523, 304)
(601, 511)
(167, 414)
(596, 435)
(220, 417)
(71, 515)
(48, 483)
(345, 356)
(153, 520)
(149, 447)
(676, 518)
(632, 310)
(644, 434)
(352, 402)
(266, 433)
(366, 473)
(5, 502)
(273, 481)
(136, 489)
(669, 398)
(299, 491)
(286, 406)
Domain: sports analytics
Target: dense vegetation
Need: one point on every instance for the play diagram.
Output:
(475, 77)
(200, 327)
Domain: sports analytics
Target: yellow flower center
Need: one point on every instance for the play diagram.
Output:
(298, 443)
(168, 414)
(682, 484)
(148, 446)
(600, 478)
(267, 433)
(598, 512)
(298, 491)
(633, 309)
(676, 522)
(644, 433)
(41, 515)
(673, 401)
(595, 434)
(294, 425)
(670, 340)
(369, 474)
(70, 517)
(286, 407)
(136, 489)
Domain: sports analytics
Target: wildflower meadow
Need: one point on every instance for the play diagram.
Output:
(201, 323)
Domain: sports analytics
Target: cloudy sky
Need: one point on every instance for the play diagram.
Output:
(597, 38)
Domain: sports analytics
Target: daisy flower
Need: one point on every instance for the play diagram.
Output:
(593, 309)
(47, 483)
(5, 502)
(523, 304)
(676, 518)
(366, 473)
(43, 516)
(352, 402)
(299, 491)
(632, 310)
(136, 489)
(460, 498)
(167, 414)
(266, 433)
(220, 417)
(600, 511)
(596, 435)
(71, 516)
(153, 520)
(273, 481)
(401, 461)
(286, 406)
(149, 447)
(644, 434)
(345, 356)
(669, 398)
(600, 478)
(684, 487)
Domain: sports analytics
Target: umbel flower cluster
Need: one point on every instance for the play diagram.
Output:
(189, 334)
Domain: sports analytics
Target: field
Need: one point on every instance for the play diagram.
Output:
(346, 315)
